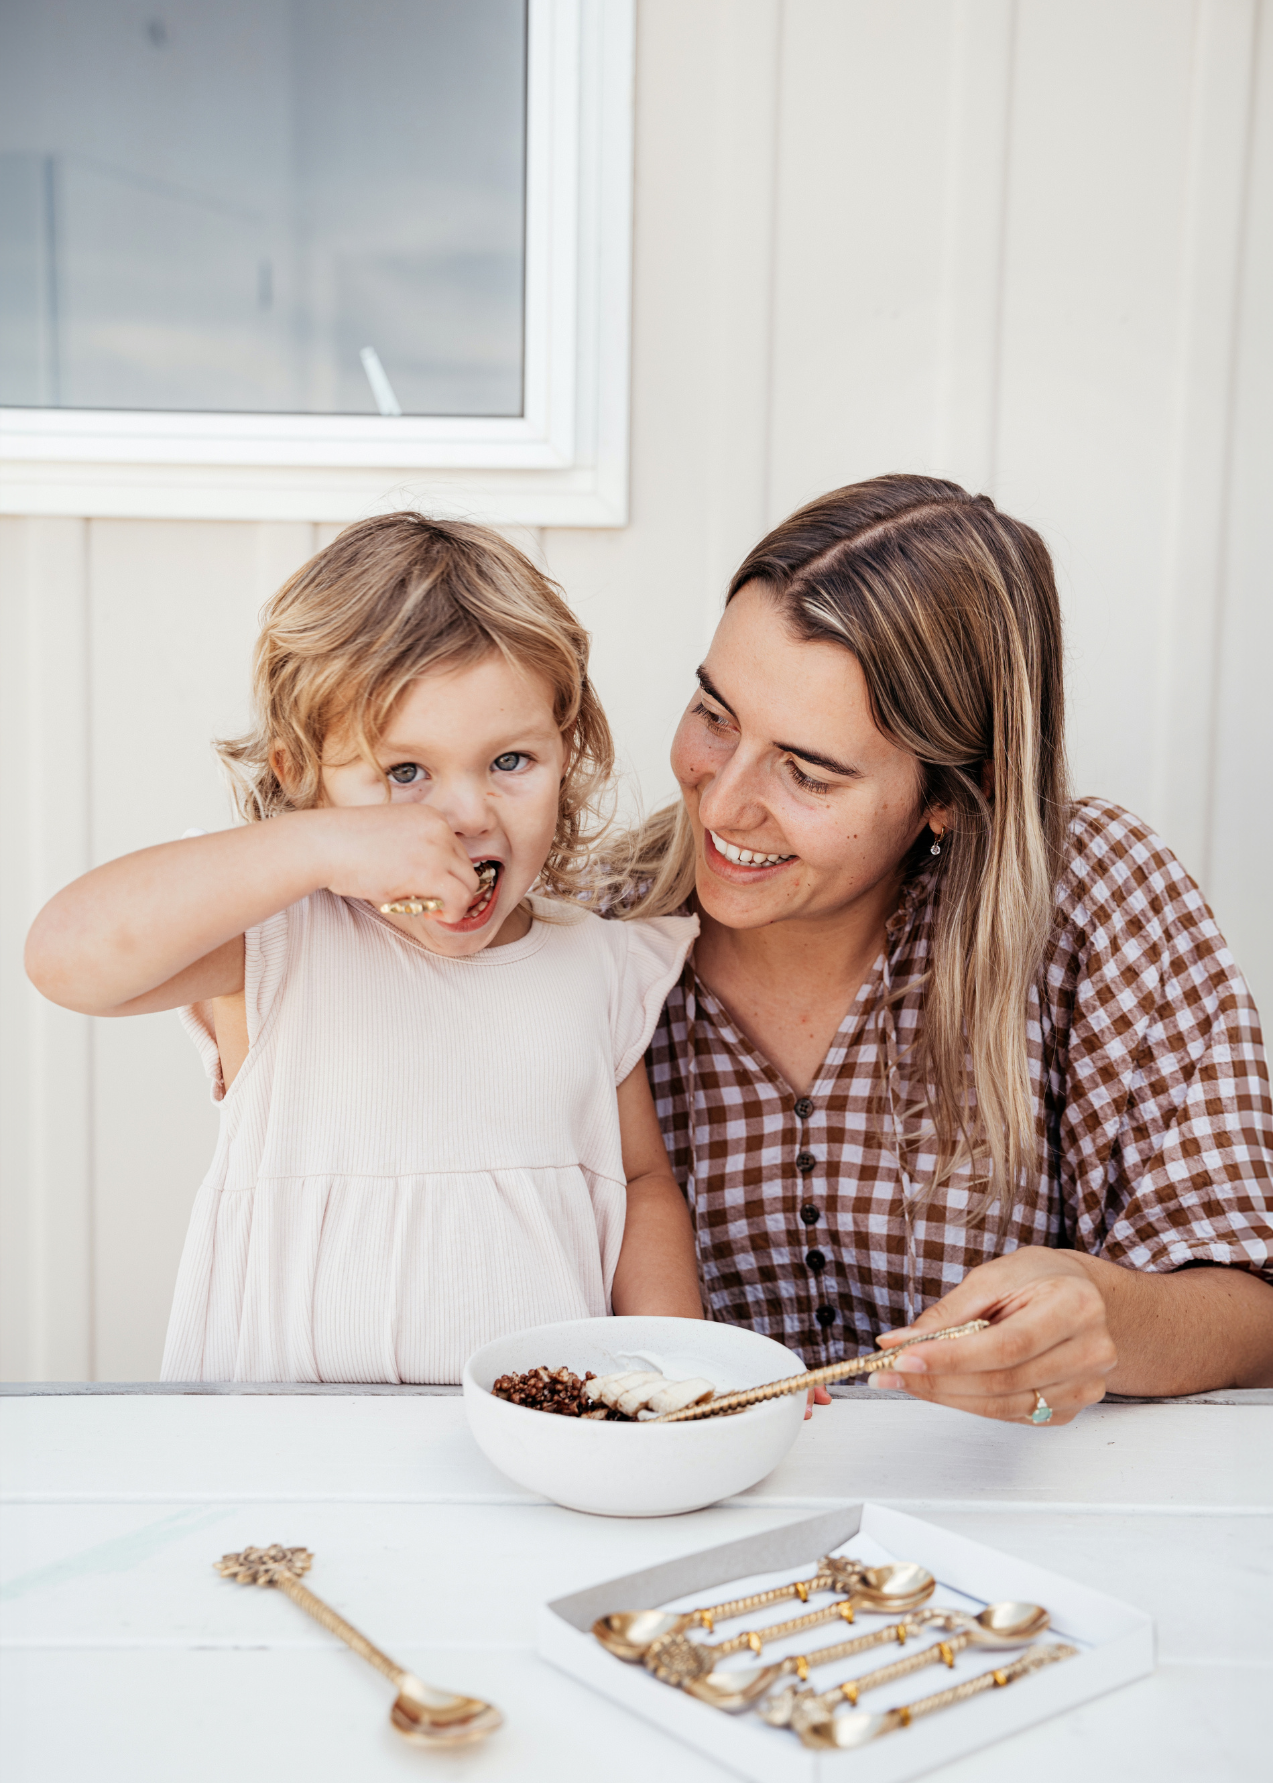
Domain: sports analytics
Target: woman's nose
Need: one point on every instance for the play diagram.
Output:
(730, 798)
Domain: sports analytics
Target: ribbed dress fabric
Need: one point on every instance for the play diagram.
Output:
(419, 1154)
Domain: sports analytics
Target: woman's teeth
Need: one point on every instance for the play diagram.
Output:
(744, 857)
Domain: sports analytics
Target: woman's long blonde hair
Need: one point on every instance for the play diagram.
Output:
(389, 600)
(951, 610)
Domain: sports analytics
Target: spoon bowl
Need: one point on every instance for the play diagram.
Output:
(1001, 1624)
(428, 1717)
(629, 1634)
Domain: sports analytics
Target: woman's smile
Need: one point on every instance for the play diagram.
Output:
(742, 865)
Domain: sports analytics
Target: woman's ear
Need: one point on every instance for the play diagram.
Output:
(938, 818)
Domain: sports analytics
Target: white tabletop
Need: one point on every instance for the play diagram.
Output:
(124, 1656)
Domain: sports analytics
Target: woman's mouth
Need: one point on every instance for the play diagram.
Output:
(478, 912)
(747, 862)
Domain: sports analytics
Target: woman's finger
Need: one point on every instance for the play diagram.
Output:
(1031, 1323)
(1088, 1355)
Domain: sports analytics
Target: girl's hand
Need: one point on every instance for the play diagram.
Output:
(1049, 1335)
(386, 852)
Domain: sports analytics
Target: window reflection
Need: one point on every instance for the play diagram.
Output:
(309, 206)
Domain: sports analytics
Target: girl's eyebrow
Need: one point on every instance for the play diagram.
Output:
(810, 755)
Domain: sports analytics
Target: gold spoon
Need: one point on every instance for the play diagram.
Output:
(998, 1625)
(845, 1732)
(675, 1659)
(425, 1716)
(817, 1377)
(629, 1634)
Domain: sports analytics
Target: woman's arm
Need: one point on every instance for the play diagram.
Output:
(164, 926)
(1071, 1326)
(657, 1270)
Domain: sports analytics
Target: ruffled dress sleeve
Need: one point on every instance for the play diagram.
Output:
(652, 955)
(264, 964)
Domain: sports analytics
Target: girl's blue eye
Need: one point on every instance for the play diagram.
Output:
(405, 774)
(509, 763)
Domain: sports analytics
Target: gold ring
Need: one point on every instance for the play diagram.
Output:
(415, 906)
(1042, 1413)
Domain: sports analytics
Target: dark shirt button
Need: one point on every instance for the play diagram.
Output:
(805, 1162)
(816, 1260)
(804, 1108)
(825, 1315)
(809, 1214)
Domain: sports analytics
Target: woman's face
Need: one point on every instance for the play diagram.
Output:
(781, 763)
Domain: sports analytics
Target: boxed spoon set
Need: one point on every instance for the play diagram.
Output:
(862, 1643)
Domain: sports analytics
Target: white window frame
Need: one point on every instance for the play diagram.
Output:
(563, 462)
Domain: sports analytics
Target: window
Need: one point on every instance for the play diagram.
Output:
(299, 258)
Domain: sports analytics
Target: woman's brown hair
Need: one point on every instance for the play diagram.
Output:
(389, 600)
(950, 608)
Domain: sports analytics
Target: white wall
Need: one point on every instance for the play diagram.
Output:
(1024, 244)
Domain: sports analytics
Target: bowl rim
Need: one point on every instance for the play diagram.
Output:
(468, 1380)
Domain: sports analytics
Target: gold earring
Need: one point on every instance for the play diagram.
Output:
(937, 836)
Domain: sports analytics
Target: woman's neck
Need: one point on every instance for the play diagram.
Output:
(789, 985)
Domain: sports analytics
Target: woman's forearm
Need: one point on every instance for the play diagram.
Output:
(1187, 1331)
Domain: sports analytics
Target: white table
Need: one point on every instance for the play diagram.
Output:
(126, 1657)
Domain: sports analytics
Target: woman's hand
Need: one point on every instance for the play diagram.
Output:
(1049, 1335)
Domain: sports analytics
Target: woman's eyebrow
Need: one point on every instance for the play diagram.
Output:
(820, 761)
(810, 755)
(710, 688)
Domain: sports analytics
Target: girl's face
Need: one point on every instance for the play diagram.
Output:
(780, 762)
(480, 746)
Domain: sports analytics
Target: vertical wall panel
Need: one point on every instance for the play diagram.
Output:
(1240, 878)
(46, 1075)
(174, 608)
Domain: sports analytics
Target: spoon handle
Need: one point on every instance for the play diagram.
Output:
(827, 1578)
(817, 1377)
(756, 1638)
(862, 1643)
(336, 1624)
(943, 1651)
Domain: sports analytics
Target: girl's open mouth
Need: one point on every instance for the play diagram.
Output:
(478, 912)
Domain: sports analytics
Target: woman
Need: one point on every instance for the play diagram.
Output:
(949, 1046)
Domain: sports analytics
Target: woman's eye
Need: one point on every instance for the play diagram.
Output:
(717, 720)
(806, 781)
(405, 774)
(510, 762)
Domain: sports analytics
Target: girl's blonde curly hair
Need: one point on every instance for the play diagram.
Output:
(389, 600)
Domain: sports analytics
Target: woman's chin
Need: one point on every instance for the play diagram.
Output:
(745, 904)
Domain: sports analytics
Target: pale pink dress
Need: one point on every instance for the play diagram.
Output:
(419, 1154)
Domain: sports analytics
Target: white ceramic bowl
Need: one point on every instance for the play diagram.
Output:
(635, 1470)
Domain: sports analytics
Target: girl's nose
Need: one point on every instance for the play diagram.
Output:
(466, 806)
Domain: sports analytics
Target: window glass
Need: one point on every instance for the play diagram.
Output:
(304, 206)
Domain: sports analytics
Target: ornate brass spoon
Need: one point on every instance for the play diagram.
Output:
(629, 1634)
(817, 1377)
(425, 1716)
(675, 1659)
(998, 1625)
(844, 1732)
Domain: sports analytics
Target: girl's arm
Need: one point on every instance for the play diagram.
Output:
(165, 926)
(657, 1271)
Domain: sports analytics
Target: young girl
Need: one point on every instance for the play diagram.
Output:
(421, 1143)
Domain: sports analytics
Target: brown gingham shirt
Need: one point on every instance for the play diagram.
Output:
(1151, 1097)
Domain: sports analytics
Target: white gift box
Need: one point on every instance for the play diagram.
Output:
(1115, 1642)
